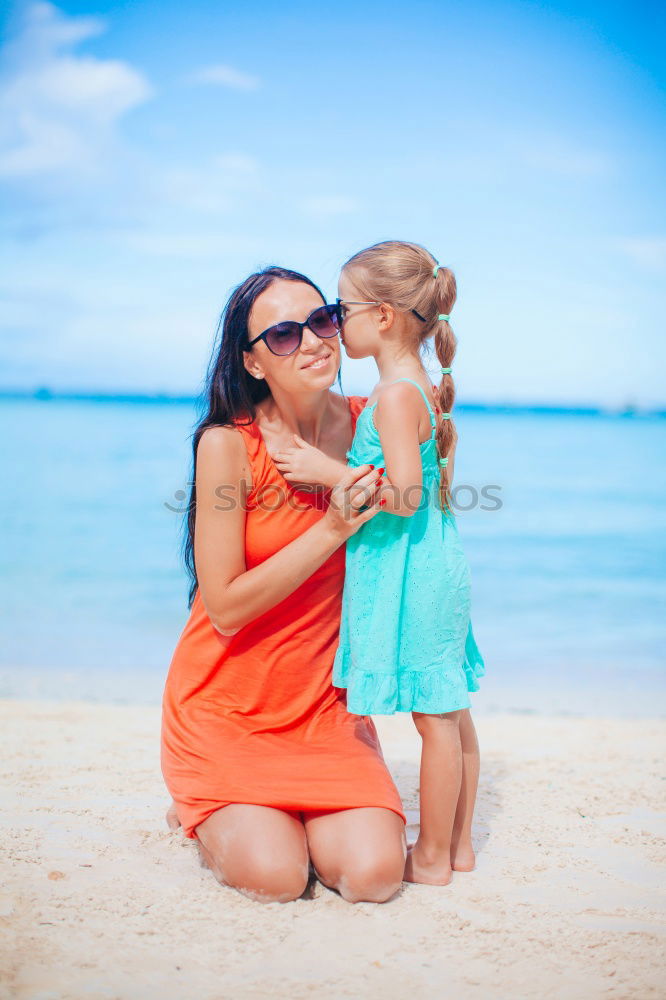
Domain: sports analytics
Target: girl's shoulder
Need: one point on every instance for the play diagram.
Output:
(403, 395)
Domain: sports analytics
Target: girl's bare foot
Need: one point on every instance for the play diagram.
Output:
(434, 871)
(463, 858)
(172, 817)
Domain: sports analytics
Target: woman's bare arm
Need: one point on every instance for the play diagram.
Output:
(232, 594)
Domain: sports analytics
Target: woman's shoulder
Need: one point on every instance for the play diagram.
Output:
(219, 436)
(243, 422)
(222, 450)
(222, 444)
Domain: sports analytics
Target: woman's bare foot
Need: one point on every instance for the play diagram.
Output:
(463, 858)
(172, 817)
(427, 872)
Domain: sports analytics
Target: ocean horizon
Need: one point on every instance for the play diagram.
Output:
(626, 409)
(568, 571)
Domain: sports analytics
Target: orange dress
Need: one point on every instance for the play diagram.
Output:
(254, 717)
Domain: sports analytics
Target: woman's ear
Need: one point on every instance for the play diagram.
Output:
(251, 366)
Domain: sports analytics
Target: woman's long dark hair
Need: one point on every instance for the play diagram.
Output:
(230, 391)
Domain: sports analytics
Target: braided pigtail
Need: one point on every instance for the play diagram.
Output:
(445, 349)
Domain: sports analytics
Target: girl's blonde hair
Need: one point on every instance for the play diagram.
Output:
(407, 277)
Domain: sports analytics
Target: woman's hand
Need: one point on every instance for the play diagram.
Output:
(358, 487)
(307, 465)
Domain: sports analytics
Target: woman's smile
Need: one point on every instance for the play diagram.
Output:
(318, 362)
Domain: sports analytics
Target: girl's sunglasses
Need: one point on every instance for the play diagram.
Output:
(285, 338)
(341, 303)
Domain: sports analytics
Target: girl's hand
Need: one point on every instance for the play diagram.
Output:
(358, 487)
(307, 465)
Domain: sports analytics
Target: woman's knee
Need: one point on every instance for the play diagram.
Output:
(262, 880)
(261, 877)
(372, 879)
(359, 852)
(264, 868)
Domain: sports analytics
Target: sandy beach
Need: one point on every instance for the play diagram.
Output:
(100, 900)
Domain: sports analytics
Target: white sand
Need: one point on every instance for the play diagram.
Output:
(100, 900)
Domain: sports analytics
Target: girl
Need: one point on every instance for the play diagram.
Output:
(406, 639)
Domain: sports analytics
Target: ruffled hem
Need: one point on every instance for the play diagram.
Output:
(410, 691)
(433, 691)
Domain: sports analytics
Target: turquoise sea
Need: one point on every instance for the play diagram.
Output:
(568, 572)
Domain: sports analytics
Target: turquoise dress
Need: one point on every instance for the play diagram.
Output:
(406, 640)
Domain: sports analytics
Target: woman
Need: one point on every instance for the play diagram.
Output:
(267, 769)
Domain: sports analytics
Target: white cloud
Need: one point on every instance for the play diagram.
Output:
(58, 108)
(43, 146)
(325, 206)
(226, 76)
(647, 251)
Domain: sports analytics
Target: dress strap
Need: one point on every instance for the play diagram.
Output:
(433, 419)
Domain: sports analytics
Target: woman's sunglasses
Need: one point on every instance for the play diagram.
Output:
(285, 338)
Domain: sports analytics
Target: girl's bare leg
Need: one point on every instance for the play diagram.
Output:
(260, 851)
(462, 852)
(358, 852)
(429, 860)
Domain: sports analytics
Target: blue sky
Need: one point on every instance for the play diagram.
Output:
(153, 154)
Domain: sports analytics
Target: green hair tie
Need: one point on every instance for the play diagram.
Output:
(435, 270)
(445, 416)
(444, 461)
(445, 371)
(442, 316)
